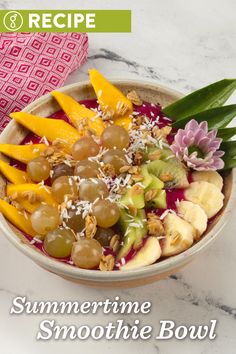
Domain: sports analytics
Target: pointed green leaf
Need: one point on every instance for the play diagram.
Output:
(229, 163)
(214, 95)
(229, 147)
(217, 118)
(226, 133)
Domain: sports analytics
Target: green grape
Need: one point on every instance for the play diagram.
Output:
(75, 221)
(84, 148)
(116, 158)
(38, 169)
(91, 189)
(44, 219)
(115, 137)
(62, 170)
(58, 243)
(107, 213)
(86, 253)
(104, 236)
(64, 186)
(87, 169)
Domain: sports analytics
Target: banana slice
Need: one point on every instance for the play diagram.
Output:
(194, 214)
(207, 195)
(208, 176)
(148, 254)
(179, 234)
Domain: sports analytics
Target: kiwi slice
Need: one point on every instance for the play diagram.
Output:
(133, 196)
(161, 154)
(160, 200)
(173, 174)
(133, 235)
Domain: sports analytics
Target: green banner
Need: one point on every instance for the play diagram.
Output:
(65, 21)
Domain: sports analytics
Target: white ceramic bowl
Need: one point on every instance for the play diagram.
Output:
(45, 106)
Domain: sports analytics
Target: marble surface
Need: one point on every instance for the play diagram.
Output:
(185, 45)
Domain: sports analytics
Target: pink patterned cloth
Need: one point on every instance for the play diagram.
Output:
(33, 64)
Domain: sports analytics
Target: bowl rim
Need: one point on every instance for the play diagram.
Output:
(165, 265)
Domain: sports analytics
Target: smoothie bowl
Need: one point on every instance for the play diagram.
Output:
(112, 189)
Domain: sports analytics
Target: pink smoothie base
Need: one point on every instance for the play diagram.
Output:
(149, 110)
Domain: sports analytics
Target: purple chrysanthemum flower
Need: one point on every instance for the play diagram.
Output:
(197, 147)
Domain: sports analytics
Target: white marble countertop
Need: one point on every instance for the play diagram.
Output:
(185, 45)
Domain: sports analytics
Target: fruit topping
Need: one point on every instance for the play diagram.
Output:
(92, 189)
(86, 169)
(80, 116)
(45, 219)
(125, 122)
(58, 243)
(16, 217)
(74, 221)
(106, 213)
(174, 175)
(104, 236)
(208, 176)
(179, 235)
(86, 253)
(61, 169)
(207, 195)
(148, 254)
(111, 100)
(134, 196)
(84, 148)
(12, 174)
(30, 196)
(64, 188)
(46, 127)
(114, 186)
(115, 137)
(38, 169)
(134, 229)
(116, 158)
(22, 153)
(194, 214)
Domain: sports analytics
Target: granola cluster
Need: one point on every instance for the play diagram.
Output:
(155, 225)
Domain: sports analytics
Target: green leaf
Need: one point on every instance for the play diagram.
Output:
(229, 147)
(229, 163)
(214, 95)
(217, 118)
(226, 133)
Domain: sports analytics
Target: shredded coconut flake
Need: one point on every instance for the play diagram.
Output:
(44, 140)
(166, 212)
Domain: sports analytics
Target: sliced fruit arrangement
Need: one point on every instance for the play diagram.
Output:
(207, 195)
(194, 214)
(111, 100)
(17, 217)
(22, 153)
(80, 116)
(208, 176)
(109, 185)
(45, 127)
(30, 196)
(12, 174)
(179, 234)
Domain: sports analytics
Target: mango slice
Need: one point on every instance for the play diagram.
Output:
(77, 113)
(30, 196)
(12, 174)
(125, 122)
(22, 153)
(111, 100)
(47, 127)
(20, 220)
